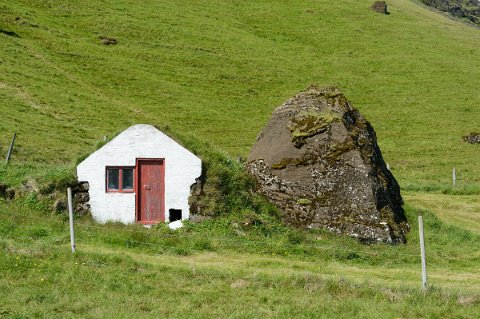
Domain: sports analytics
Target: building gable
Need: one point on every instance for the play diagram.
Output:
(140, 144)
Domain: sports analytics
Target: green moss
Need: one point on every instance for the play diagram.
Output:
(305, 160)
(304, 201)
(310, 123)
(286, 162)
(336, 150)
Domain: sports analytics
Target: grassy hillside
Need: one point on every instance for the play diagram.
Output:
(210, 73)
(216, 70)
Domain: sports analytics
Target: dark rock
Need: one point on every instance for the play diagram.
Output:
(10, 193)
(318, 161)
(81, 209)
(83, 197)
(457, 11)
(82, 187)
(380, 7)
(472, 138)
(108, 40)
(60, 205)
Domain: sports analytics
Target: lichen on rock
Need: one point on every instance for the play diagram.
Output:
(318, 160)
(309, 123)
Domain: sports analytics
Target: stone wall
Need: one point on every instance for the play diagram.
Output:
(81, 198)
(58, 197)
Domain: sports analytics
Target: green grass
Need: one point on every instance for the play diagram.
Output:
(460, 210)
(216, 268)
(217, 70)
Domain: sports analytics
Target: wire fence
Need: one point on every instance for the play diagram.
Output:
(104, 233)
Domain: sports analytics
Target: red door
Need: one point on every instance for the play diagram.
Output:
(150, 190)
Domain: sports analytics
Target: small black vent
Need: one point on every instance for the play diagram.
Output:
(175, 214)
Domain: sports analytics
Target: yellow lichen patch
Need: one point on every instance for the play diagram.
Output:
(309, 123)
(335, 150)
(304, 201)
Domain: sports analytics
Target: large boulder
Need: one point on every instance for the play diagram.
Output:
(318, 161)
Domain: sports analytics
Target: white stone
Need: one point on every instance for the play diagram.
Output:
(139, 141)
(175, 225)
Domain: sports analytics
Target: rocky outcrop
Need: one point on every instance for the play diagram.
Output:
(465, 9)
(318, 161)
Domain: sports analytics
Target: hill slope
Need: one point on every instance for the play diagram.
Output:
(217, 70)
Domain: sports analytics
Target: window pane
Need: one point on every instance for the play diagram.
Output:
(127, 178)
(112, 178)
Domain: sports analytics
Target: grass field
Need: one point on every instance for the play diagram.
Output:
(210, 73)
(459, 210)
(214, 270)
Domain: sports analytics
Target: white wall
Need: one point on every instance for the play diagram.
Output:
(139, 141)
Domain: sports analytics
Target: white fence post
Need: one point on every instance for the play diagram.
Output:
(454, 176)
(422, 252)
(70, 214)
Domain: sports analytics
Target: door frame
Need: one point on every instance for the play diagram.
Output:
(138, 189)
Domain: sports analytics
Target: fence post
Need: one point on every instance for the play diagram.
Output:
(10, 149)
(422, 252)
(454, 176)
(70, 214)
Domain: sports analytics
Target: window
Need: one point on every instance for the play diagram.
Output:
(120, 179)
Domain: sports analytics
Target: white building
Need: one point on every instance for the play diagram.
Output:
(141, 176)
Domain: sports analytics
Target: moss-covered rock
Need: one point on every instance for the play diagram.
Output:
(318, 161)
(309, 123)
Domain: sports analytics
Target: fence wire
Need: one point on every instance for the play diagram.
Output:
(94, 233)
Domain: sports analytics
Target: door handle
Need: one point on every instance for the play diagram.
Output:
(146, 187)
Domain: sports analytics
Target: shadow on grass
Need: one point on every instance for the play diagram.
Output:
(9, 33)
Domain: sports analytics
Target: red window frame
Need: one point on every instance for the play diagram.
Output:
(120, 179)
